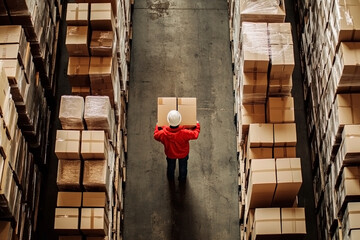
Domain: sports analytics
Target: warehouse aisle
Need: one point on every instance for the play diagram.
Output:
(181, 48)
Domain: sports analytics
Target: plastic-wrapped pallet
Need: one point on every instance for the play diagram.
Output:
(98, 113)
(262, 10)
(71, 113)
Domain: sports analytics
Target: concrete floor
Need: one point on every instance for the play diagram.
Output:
(181, 48)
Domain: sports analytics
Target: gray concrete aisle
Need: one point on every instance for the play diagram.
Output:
(181, 48)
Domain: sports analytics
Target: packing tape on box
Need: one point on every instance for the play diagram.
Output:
(66, 216)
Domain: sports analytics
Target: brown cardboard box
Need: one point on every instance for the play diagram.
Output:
(267, 223)
(102, 43)
(78, 71)
(9, 51)
(280, 87)
(69, 199)
(255, 83)
(77, 14)
(95, 175)
(4, 89)
(5, 230)
(101, 17)
(165, 105)
(284, 152)
(77, 41)
(350, 143)
(349, 51)
(100, 72)
(67, 220)
(256, 60)
(282, 61)
(71, 113)
(94, 199)
(261, 135)
(293, 222)
(344, 109)
(252, 113)
(289, 180)
(187, 109)
(98, 113)
(68, 175)
(349, 29)
(67, 145)
(262, 183)
(259, 153)
(264, 11)
(285, 135)
(14, 72)
(355, 107)
(280, 34)
(93, 221)
(280, 110)
(93, 145)
(351, 218)
(81, 91)
(354, 234)
(97, 238)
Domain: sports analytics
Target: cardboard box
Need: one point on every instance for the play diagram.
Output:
(102, 43)
(284, 152)
(187, 109)
(354, 234)
(259, 153)
(350, 143)
(254, 83)
(13, 71)
(4, 89)
(71, 113)
(348, 108)
(267, 223)
(349, 23)
(93, 221)
(165, 105)
(77, 41)
(97, 113)
(101, 17)
(282, 61)
(350, 58)
(94, 199)
(69, 199)
(280, 34)
(293, 222)
(96, 175)
(78, 71)
(81, 91)
(9, 51)
(67, 145)
(289, 180)
(77, 14)
(261, 135)
(98, 238)
(256, 60)
(264, 11)
(68, 175)
(280, 87)
(67, 220)
(280, 110)
(285, 135)
(94, 145)
(252, 113)
(351, 217)
(262, 183)
(101, 72)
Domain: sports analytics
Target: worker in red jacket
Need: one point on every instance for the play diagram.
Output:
(176, 144)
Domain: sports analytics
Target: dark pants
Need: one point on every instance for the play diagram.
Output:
(182, 168)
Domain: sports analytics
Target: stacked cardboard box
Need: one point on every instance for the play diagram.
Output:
(329, 33)
(262, 50)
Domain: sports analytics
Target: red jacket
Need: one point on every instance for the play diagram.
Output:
(176, 140)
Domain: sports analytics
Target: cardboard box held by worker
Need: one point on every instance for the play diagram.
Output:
(186, 107)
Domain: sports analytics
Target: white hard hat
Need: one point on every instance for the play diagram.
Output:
(174, 118)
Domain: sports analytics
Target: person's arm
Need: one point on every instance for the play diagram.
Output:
(157, 133)
(194, 133)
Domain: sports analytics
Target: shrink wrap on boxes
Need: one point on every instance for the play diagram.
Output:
(102, 43)
(96, 175)
(71, 113)
(98, 113)
(68, 175)
(262, 11)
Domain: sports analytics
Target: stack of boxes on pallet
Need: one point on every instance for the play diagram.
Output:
(329, 32)
(28, 40)
(92, 145)
(270, 174)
